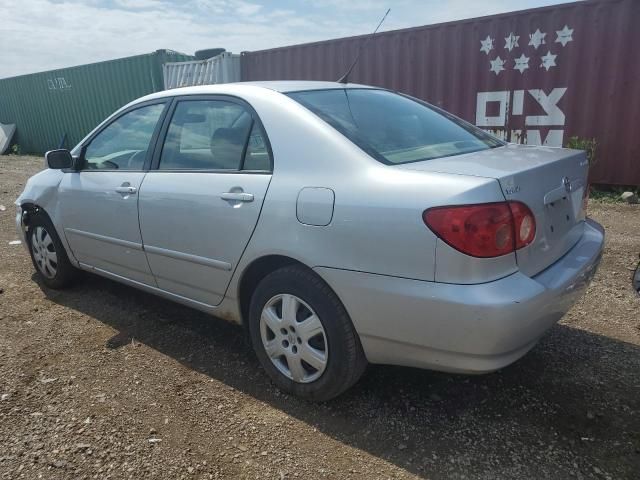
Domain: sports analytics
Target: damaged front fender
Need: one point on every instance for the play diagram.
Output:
(40, 194)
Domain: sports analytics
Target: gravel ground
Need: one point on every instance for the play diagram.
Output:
(103, 381)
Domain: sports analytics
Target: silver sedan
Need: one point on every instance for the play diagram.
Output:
(340, 224)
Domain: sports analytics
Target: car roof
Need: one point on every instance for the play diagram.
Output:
(282, 86)
(285, 86)
(238, 88)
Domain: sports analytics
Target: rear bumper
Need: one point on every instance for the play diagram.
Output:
(464, 328)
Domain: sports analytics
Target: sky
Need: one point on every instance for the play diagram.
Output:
(39, 35)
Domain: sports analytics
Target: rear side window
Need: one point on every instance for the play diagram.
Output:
(257, 154)
(210, 135)
(392, 128)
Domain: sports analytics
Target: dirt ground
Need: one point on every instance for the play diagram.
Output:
(103, 381)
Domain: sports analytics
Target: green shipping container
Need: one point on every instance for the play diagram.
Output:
(71, 101)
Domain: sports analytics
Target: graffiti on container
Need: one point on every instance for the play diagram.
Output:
(523, 107)
(58, 83)
(521, 63)
(511, 104)
(512, 41)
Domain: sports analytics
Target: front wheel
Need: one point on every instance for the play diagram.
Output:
(48, 254)
(303, 336)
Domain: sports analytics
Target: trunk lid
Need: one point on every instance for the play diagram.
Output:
(550, 181)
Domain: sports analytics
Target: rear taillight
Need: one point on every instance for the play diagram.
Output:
(483, 230)
(524, 224)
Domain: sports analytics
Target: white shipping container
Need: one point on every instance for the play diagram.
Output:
(223, 68)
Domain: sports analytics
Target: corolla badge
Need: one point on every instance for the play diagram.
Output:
(509, 186)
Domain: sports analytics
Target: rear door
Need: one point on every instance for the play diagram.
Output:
(99, 203)
(201, 200)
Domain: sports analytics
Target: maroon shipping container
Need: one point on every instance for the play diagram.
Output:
(536, 76)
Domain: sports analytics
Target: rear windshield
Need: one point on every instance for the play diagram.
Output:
(392, 128)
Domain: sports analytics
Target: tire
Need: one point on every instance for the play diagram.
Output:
(321, 330)
(48, 254)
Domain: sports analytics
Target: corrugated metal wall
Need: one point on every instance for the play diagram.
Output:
(537, 76)
(223, 68)
(45, 106)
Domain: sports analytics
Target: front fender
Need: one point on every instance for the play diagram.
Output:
(41, 191)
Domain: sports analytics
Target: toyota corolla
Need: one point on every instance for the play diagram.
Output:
(340, 224)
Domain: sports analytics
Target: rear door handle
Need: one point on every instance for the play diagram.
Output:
(128, 190)
(237, 196)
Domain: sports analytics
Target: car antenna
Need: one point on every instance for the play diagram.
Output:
(345, 77)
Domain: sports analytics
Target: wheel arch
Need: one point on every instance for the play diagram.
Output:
(32, 208)
(254, 273)
(29, 209)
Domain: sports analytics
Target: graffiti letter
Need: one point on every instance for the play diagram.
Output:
(518, 100)
(481, 109)
(554, 116)
(554, 138)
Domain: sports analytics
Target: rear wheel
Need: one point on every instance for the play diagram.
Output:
(303, 336)
(48, 255)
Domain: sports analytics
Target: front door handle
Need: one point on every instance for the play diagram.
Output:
(128, 190)
(237, 196)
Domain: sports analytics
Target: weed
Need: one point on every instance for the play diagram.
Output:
(589, 145)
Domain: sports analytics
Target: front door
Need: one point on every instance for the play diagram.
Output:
(199, 208)
(99, 203)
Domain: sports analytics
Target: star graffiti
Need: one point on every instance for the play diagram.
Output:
(564, 36)
(487, 45)
(497, 65)
(511, 41)
(537, 38)
(548, 61)
(521, 63)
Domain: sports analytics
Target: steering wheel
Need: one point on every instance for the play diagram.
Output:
(133, 159)
(109, 164)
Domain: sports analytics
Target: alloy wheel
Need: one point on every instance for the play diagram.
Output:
(294, 338)
(44, 252)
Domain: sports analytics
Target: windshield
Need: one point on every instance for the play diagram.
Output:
(393, 128)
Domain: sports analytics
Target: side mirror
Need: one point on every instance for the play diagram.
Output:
(59, 159)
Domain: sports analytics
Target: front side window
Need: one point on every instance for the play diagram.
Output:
(124, 143)
(392, 128)
(212, 135)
